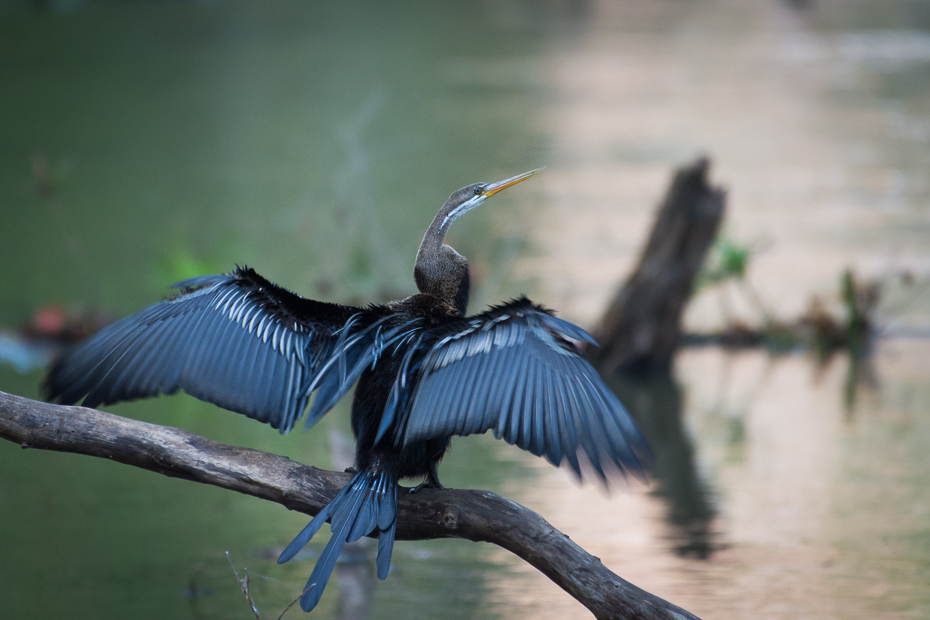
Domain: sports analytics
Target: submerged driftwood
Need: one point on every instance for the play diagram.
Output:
(639, 334)
(641, 328)
(448, 513)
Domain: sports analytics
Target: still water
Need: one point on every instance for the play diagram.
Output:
(142, 141)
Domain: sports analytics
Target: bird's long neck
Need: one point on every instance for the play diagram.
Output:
(436, 233)
(440, 271)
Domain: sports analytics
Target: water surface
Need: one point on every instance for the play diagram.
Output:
(139, 141)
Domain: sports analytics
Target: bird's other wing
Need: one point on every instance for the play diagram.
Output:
(516, 370)
(235, 340)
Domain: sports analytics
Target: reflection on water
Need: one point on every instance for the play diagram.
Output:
(818, 515)
(861, 380)
(355, 576)
(656, 403)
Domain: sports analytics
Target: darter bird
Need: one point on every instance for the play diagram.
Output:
(425, 372)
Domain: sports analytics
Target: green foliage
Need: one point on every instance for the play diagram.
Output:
(181, 264)
(727, 260)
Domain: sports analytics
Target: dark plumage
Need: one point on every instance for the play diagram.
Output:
(425, 372)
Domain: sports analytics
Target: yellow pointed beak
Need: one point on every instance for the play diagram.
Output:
(493, 188)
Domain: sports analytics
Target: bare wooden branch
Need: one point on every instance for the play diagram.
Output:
(472, 515)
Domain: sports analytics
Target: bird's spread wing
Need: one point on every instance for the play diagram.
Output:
(236, 340)
(516, 371)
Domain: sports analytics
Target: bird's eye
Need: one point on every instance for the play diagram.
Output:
(478, 190)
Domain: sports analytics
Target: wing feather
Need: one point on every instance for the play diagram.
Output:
(235, 340)
(528, 396)
(517, 370)
(553, 441)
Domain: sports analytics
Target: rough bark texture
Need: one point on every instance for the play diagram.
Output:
(642, 326)
(472, 515)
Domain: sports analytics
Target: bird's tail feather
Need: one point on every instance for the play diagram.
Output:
(367, 503)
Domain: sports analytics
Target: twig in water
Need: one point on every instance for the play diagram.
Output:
(299, 596)
(244, 586)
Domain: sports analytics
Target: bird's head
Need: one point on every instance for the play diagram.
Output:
(440, 270)
(464, 200)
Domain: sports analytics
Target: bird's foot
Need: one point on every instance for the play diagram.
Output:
(351, 470)
(427, 484)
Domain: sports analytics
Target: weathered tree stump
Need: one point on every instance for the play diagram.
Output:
(641, 328)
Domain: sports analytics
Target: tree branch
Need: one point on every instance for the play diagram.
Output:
(472, 515)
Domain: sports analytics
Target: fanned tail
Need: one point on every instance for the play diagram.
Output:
(366, 504)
